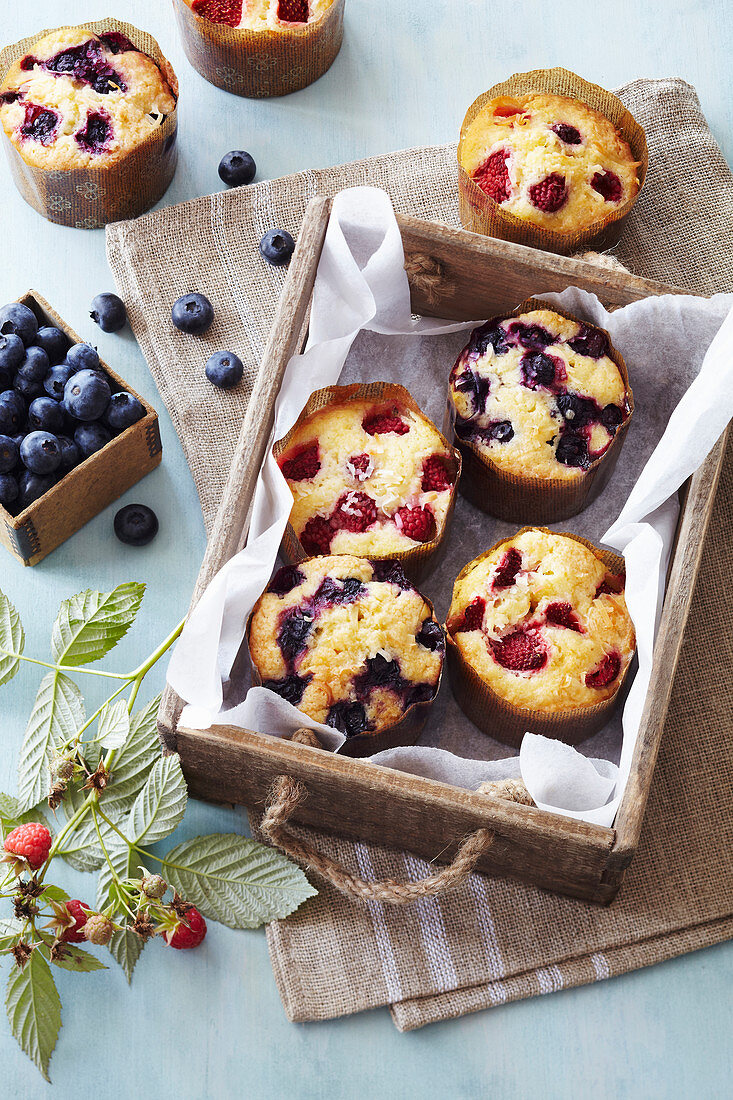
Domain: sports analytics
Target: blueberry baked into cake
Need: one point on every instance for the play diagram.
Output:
(549, 159)
(349, 642)
(541, 621)
(538, 395)
(370, 477)
(80, 100)
(256, 15)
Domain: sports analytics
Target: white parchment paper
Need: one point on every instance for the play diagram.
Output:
(679, 352)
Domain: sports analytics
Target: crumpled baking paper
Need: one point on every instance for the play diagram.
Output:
(679, 351)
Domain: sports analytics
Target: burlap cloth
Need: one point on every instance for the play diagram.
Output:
(491, 941)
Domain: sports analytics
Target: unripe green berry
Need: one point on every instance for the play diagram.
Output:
(62, 768)
(154, 886)
(98, 929)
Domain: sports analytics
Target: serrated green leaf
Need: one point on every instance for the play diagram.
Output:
(80, 848)
(11, 815)
(75, 958)
(126, 948)
(10, 929)
(58, 713)
(34, 1009)
(132, 763)
(12, 639)
(54, 893)
(160, 805)
(235, 880)
(114, 725)
(90, 624)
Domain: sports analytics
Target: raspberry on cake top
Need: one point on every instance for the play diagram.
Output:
(549, 159)
(260, 15)
(543, 622)
(80, 99)
(368, 476)
(349, 642)
(538, 394)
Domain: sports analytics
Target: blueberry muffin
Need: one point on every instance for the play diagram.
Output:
(370, 475)
(540, 399)
(80, 99)
(549, 159)
(540, 636)
(352, 644)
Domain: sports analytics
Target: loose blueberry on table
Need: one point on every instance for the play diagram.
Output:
(192, 313)
(277, 246)
(136, 525)
(108, 311)
(224, 369)
(237, 168)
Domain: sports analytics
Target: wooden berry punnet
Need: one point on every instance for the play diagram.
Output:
(471, 276)
(90, 487)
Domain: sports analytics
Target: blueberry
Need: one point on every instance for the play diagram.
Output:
(45, 414)
(28, 388)
(108, 311)
(90, 438)
(70, 453)
(390, 572)
(576, 409)
(285, 580)
(277, 247)
(611, 417)
(9, 490)
(18, 319)
(421, 693)
(6, 379)
(484, 337)
(12, 352)
(32, 486)
(350, 718)
(530, 336)
(502, 431)
(430, 636)
(538, 369)
(83, 357)
(136, 524)
(192, 313)
(293, 632)
(8, 454)
(123, 411)
(572, 450)
(590, 341)
(237, 168)
(86, 395)
(331, 591)
(477, 386)
(56, 379)
(224, 369)
(380, 672)
(290, 689)
(35, 364)
(12, 412)
(40, 453)
(54, 343)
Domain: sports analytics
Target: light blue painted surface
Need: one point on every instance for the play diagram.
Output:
(210, 1024)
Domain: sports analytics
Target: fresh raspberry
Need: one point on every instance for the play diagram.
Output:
(507, 569)
(354, 512)
(567, 133)
(154, 886)
(360, 466)
(302, 465)
(384, 422)
(98, 929)
(562, 614)
(228, 12)
(435, 476)
(316, 536)
(473, 616)
(520, 651)
(493, 176)
(549, 194)
(605, 671)
(611, 585)
(417, 523)
(189, 932)
(293, 11)
(607, 184)
(74, 933)
(31, 842)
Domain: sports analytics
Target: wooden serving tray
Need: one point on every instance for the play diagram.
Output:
(472, 277)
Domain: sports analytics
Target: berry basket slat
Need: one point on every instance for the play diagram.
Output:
(460, 275)
(95, 483)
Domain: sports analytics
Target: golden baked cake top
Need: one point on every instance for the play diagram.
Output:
(80, 99)
(549, 159)
(349, 642)
(543, 622)
(260, 15)
(369, 477)
(538, 394)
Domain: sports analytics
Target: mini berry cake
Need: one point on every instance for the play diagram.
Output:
(257, 15)
(352, 644)
(539, 637)
(370, 475)
(539, 401)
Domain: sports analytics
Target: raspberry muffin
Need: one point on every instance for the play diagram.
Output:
(89, 119)
(260, 47)
(539, 637)
(370, 475)
(352, 644)
(539, 402)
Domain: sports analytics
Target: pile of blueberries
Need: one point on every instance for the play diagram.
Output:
(57, 406)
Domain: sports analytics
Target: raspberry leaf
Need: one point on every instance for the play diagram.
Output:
(10, 930)
(235, 880)
(12, 639)
(11, 814)
(132, 762)
(57, 714)
(160, 805)
(126, 948)
(34, 1009)
(76, 958)
(114, 725)
(90, 624)
(55, 893)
